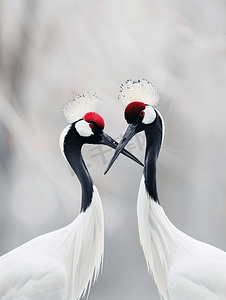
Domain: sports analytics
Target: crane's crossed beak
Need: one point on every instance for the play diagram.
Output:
(129, 133)
(107, 140)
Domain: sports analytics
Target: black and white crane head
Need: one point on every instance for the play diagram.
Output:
(86, 127)
(139, 98)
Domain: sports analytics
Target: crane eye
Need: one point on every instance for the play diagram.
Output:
(91, 125)
(142, 113)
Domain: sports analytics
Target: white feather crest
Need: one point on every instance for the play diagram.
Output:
(76, 108)
(141, 90)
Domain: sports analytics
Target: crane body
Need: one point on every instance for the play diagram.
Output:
(59, 264)
(183, 268)
(63, 264)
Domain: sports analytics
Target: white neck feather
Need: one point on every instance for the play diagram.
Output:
(159, 238)
(84, 243)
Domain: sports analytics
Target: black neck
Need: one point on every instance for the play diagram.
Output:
(153, 134)
(73, 154)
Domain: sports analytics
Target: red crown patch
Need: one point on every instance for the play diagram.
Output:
(94, 117)
(133, 109)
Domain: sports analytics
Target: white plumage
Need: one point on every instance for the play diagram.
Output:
(79, 105)
(182, 267)
(142, 90)
(58, 265)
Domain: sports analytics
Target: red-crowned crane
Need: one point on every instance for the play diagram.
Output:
(183, 268)
(61, 265)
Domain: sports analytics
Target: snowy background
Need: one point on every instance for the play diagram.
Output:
(53, 49)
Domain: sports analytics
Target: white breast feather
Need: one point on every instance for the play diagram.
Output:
(183, 268)
(45, 267)
(90, 244)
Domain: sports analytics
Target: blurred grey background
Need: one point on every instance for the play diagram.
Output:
(53, 49)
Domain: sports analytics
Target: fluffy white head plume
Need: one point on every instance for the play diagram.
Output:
(76, 108)
(142, 91)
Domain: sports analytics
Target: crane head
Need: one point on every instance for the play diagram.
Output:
(88, 129)
(138, 114)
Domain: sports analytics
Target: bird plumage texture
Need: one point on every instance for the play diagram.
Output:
(141, 90)
(78, 106)
(182, 267)
(59, 264)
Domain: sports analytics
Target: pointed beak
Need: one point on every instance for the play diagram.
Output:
(129, 133)
(107, 140)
